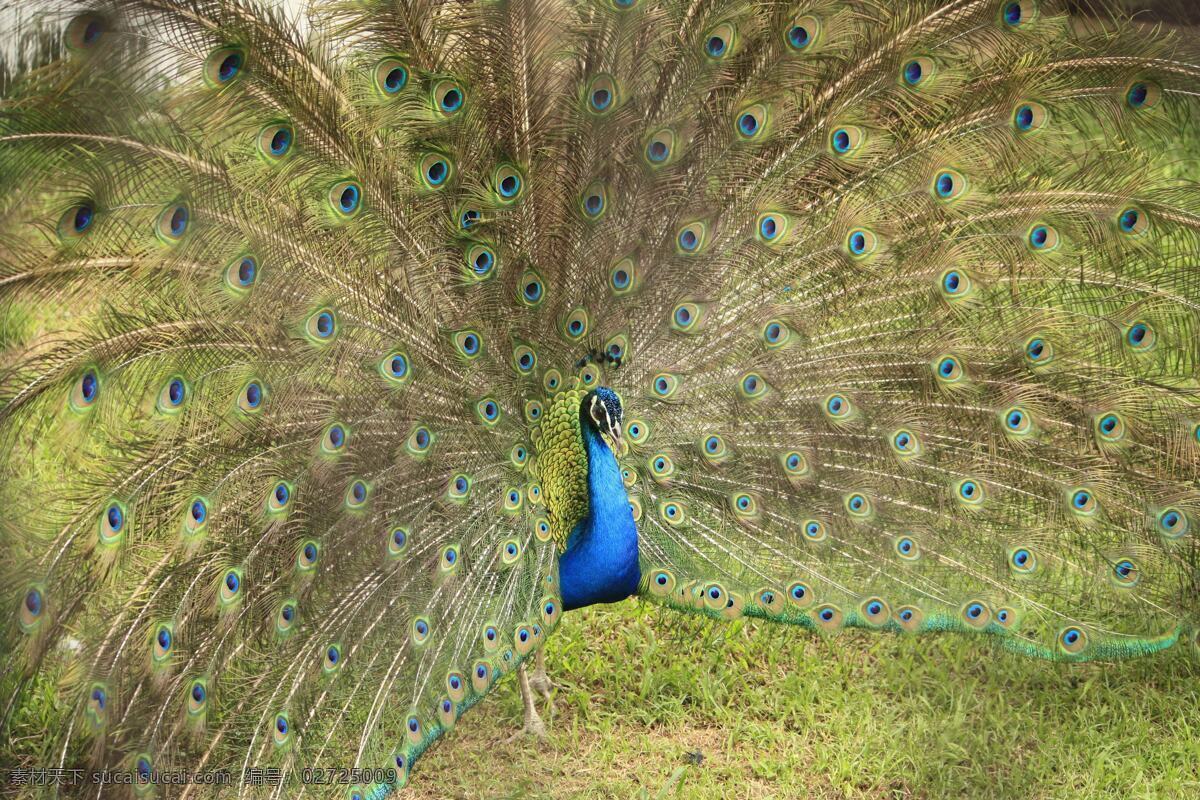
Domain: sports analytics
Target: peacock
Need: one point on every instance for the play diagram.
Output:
(342, 353)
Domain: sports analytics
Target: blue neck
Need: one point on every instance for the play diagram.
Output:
(600, 564)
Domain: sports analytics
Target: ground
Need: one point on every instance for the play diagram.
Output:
(774, 712)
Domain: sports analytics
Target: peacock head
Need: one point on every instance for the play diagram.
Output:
(601, 410)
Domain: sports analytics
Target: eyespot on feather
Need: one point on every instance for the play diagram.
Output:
(224, 66)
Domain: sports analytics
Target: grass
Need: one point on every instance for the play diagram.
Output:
(774, 712)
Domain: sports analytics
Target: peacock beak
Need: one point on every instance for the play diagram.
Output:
(620, 446)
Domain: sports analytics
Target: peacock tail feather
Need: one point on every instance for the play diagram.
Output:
(900, 299)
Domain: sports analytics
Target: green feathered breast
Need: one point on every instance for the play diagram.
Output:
(900, 299)
(561, 466)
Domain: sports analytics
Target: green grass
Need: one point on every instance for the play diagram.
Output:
(780, 713)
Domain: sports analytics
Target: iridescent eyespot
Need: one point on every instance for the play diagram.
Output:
(1083, 502)
(744, 505)
(752, 386)
(1021, 560)
(1072, 640)
(845, 140)
(949, 185)
(976, 614)
(594, 200)
(948, 369)
(858, 505)
(907, 548)
(512, 499)
(875, 611)
(281, 730)
(468, 343)
(1125, 573)
(541, 529)
(97, 704)
(861, 243)
(954, 284)
(664, 385)
(601, 95)
(395, 367)
(357, 493)
(1139, 336)
(1043, 238)
(752, 121)
(969, 491)
(195, 517)
(173, 223)
(671, 512)
(622, 277)
(113, 521)
(524, 359)
(917, 71)
(397, 541)
(420, 630)
(905, 443)
(1133, 221)
(241, 273)
(1029, 116)
(332, 658)
(1172, 523)
(801, 34)
(661, 466)
(286, 617)
(85, 390)
(508, 182)
(321, 326)
(1110, 427)
(449, 559)
(345, 198)
(161, 641)
(800, 594)
(772, 227)
(435, 170)
(1038, 351)
(448, 97)
(1018, 13)
(1142, 95)
(488, 411)
(279, 497)
(418, 441)
(334, 438)
(720, 41)
(223, 65)
(275, 141)
(306, 559)
(33, 607)
(85, 31)
(1017, 420)
(391, 76)
(173, 395)
(531, 289)
(686, 318)
(814, 530)
(468, 218)
(837, 406)
(690, 239)
(776, 334)
(794, 463)
(713, 448)
(231, 587)
(459, 486)
(76, 221)
(829, 617)
(910, 618)
(660, 147)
